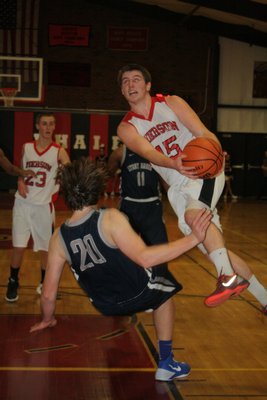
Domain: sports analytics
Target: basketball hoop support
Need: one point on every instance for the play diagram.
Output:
(8, 95)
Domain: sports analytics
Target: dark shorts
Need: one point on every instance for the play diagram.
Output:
(161, 286)
(146, 219)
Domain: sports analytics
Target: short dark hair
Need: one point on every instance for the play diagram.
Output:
(44, 114)
(132, 67)
(81, 183)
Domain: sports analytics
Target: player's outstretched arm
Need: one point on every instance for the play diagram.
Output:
(139, 145)
(22, 187)
(128, 134)
(114, 160)
(55, 265)
(201, 223)
(189, 117)
(13, 169)
(26, 172)
(118, 232)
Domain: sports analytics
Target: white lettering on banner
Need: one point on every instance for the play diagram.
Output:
(96, 142)
(79, 142)
(115, 141)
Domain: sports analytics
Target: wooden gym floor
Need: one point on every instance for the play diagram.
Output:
(88, 356)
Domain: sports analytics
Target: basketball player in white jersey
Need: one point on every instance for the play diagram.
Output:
(158, 128)
(33, 211)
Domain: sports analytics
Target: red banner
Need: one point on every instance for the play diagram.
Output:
(98, 133)
(127, 38)
(69, 35)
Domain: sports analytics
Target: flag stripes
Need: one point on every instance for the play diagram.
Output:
(19, 27)
(19, 20)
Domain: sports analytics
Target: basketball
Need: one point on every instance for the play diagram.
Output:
(205, 155)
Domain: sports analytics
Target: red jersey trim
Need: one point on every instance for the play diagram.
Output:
(40, 153)
(154, 100)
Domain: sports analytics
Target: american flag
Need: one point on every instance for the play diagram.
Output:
(19, 36)
(19, 27)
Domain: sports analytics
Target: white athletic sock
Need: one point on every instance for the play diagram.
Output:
(257, 290)
(221, 261)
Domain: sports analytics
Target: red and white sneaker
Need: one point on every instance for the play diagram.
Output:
(227, 286)
(264, 310)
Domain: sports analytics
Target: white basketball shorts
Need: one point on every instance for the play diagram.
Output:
(196, 194)
(32, 220)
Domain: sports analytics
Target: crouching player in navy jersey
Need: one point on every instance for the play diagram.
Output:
(112, 263)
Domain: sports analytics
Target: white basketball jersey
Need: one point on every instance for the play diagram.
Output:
(166, 134)
(42, 187)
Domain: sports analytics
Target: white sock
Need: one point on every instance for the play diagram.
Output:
(221, 261)
(257, 290)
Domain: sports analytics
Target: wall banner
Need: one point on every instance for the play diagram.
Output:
(127, 38)
(69, 35)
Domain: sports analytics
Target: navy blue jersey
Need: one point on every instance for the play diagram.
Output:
(115, 284)
(138, 178)
(140, 200)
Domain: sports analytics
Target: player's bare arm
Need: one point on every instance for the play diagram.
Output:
(22, 187)
(188, 117)
(55, 266)
(13, 169)
(114, 161)
(63, 156)
(191, 120)
(128, 134)
(118, 231)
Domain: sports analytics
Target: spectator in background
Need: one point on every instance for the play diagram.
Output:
(228, 179)
(115, 169)
(101, 161)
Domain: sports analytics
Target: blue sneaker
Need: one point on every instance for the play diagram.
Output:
(170, 369)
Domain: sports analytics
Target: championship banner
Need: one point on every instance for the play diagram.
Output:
(69, 35)
(127, 38)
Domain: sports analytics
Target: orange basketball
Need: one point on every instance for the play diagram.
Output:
(205, 155)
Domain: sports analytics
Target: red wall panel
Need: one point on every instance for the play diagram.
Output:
(98, 134)
(23, 132)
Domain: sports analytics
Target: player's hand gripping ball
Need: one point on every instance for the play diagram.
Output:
(206, 155)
